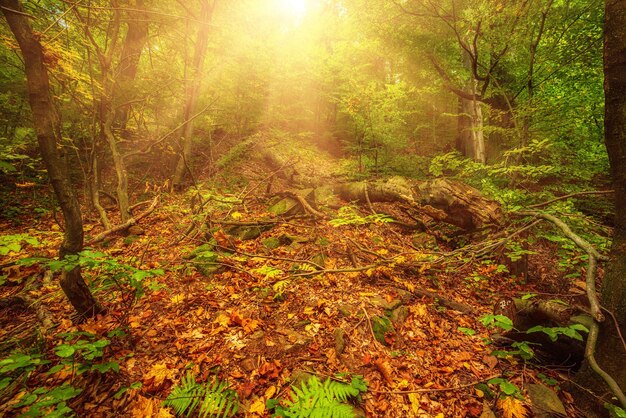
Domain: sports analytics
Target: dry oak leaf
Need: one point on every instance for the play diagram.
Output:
(512, 408)
(156, 378)
(143, 407)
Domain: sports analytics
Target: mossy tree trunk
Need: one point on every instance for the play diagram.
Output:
(48, 128)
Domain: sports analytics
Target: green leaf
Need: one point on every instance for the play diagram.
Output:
(64, 350)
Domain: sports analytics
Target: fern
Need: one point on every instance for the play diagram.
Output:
(213, 399)
(322, 400)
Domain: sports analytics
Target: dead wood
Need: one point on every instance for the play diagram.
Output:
(440, 199)
(121, 227)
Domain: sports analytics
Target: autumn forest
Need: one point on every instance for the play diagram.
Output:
(313, 208)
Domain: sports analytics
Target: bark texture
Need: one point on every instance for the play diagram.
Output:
(47, 126)
(443, 200)
(610, 352)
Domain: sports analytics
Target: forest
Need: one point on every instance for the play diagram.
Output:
(313, 208)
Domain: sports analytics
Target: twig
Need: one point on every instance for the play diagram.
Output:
(616, 322)
(567, 196)
(401, 392)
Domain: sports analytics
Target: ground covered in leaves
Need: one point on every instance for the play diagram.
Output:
(261, 301)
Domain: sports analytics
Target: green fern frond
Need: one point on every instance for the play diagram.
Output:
(314, 399)
(213, 398)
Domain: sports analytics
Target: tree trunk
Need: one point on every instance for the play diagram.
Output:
(48, 128)
(610, 352)
(134, 42)
(192, 90)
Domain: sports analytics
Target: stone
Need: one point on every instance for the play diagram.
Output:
(399, 315)
(340, 341)
(545, 402)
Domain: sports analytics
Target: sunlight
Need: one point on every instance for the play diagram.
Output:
(294, 10)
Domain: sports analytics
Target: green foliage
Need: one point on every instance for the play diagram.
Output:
(112, 273)
(17, 367)
(467, 331)
(209, 399)
(506, 387)
(571, 331)
(615, 411)
(349, 215)
(317, 399)
(14, 243)
(268, 271)
(499, 321)
(44, 402)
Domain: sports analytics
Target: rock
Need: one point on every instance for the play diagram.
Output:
(399, 315)
(340, 341)
(424, 240)
(384, 303)
(271, 243)
(380, 326)
(345, 309)
(298, 377)
(130, 239)
(136, 230)
(248, 364)
(247, 232)
(288, 206)
(545, 402)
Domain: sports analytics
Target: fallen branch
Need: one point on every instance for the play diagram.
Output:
(567, 196)
(305, 205)
(132, 221)
(402, 392)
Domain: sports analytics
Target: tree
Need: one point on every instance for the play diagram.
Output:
(48, 129)
(611, 353)
(192, 90)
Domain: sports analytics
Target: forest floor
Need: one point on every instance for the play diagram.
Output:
(305, 297)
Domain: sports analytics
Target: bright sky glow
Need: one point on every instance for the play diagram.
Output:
(293, 9)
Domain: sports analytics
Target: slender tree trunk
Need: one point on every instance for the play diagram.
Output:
(134, 42)
(48, 128)
(192, 90)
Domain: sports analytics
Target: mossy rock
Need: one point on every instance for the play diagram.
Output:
(247, 232)
(381, 325)
(271, 243)
(201, 250)
(288, 206)
(130, 239)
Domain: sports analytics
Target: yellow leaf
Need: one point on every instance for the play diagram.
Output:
(479, 393)
(258, 406)
(160, 372)
(236, 215)
(512, 407)
(290, 315)
(178, 298)
(415, 402)
(439, 415)
(308, 310)
(223, 320)
(270, 392)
